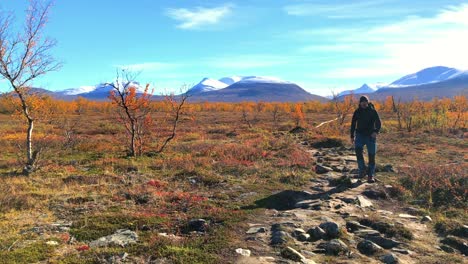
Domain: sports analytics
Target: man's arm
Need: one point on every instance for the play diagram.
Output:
(378, 123)
(353, 124)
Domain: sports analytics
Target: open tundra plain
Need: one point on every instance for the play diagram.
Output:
(239, 183)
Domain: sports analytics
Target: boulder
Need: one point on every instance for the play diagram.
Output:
(332, 229)
(456, 243)
(390, 259)
(320, 169)
(335, 247)
(198, 225)
(367, 247)
(317, 233)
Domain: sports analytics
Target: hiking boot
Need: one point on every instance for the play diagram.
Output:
(371, 179)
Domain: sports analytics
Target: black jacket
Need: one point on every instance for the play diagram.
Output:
(367, 120)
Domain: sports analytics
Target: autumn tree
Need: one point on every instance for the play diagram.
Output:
(24, 56)
(132, 108)
(298, 114)
(460, 108)
(176, 106)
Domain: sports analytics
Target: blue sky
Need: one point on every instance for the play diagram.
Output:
(321, 45)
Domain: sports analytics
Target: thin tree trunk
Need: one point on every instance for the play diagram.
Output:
(29, 148)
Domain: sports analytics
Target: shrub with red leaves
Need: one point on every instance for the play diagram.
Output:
(155, 183)
(83, 248)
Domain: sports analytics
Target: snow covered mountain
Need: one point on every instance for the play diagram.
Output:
(207, 85)
(428, 75)
(364, 89)
(97, 92)
(439, 81)
(254, 88)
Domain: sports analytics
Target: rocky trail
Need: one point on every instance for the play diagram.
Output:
(340, 219)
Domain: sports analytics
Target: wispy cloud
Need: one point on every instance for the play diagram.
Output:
(400, 47)
(355, 9)
(199, 17)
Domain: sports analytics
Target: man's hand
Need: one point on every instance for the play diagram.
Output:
(374, 135)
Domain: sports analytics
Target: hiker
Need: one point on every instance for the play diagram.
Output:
(366, 123)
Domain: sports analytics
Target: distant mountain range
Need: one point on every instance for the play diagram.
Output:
(250, 88)
(426, 84)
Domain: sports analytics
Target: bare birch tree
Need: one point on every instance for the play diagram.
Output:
(24, 56)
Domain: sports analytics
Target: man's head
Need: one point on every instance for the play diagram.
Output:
(364, 101)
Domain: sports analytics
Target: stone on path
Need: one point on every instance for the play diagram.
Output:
(332, 229)
(334, 247)
(390, 259)
(363, 202)
(320, 169)
(292, 254)
(408, 216)
(317, 233)
(366, 232)
(426, 219)
(456, 243)
(367, 247)
(255, 230)
(386, 243)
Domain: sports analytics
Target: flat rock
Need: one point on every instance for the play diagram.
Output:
(402, 251)
(456, 243)
(298, 231)
(363, 202)
(121, 237)
(354, 225)
(321, 169)
(366, 232)
(308, 204)
(386, 243)
(408, 216)
(243, 252)
(255, 230)
(292, 254)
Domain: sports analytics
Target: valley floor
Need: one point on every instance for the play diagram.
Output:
(230, 192)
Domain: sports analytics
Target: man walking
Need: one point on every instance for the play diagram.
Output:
(366, 125)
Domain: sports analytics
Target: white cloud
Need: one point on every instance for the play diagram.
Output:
(355, 9)
(401, 47)
(198, 17)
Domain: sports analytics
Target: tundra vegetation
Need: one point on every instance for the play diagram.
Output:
(215, 167)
